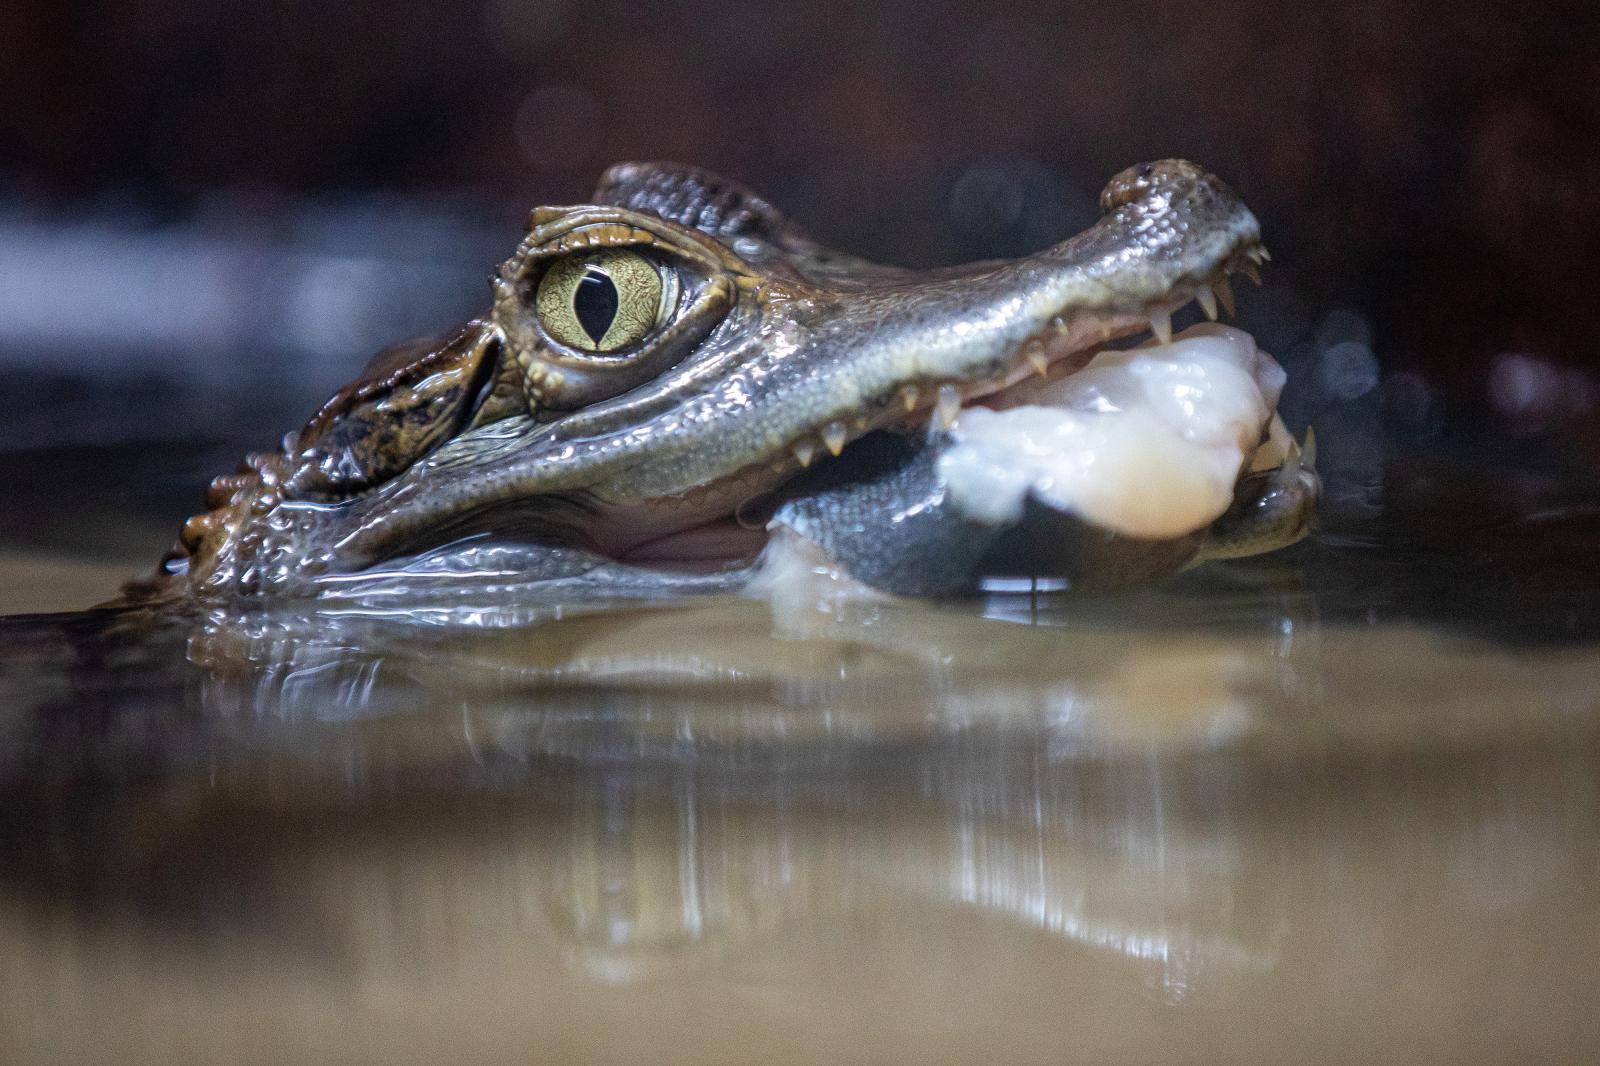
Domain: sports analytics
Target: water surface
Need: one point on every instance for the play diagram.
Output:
(1337, 804)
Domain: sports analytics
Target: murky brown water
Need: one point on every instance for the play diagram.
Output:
(1341, 805)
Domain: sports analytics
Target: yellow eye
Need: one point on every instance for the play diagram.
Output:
(601, 301)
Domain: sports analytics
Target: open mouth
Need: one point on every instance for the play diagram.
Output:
(1062, 348)
(1105, 414)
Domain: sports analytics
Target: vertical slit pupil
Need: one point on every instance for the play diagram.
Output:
(594, 301)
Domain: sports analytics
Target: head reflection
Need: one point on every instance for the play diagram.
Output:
(654, 869)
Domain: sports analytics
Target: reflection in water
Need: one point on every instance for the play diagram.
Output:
(1199, 823)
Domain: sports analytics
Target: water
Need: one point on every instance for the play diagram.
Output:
(1338, 804)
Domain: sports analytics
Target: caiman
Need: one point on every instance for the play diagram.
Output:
(674, 379)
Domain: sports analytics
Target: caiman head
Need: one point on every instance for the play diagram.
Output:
(661, 364)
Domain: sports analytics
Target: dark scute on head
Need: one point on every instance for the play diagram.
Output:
(691, 196)
(721, 207)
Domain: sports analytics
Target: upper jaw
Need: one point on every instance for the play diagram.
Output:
(1172, 234)
(833, 367)
(911, 349)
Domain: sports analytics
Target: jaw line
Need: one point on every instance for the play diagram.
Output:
(679, 529)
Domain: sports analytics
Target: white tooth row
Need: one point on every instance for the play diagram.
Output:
(1213, 297)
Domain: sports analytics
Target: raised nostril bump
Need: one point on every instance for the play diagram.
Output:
(1137, 181)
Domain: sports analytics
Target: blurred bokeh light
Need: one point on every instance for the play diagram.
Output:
(235, 204)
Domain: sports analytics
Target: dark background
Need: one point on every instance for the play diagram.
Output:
(210, 213)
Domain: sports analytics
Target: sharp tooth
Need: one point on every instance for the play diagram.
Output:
(948, 407)
(1105, 330)
(909, 395)
(805, 451)
(1224, 289)
(1266, 256)
(1034, 352)
(1161, 324)
(1207, 300)
(833, 435)
(1308, 450)
(1249, 270)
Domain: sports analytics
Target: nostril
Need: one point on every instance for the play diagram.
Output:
(1137, 181)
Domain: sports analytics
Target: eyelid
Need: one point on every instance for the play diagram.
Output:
(562, 231)
(596, 238)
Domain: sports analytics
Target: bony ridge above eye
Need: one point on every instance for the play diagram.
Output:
(601, 301)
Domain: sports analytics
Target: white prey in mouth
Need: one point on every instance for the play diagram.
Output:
(1146, 442)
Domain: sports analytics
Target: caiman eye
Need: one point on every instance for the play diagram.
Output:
(598, 301)
(602, 301)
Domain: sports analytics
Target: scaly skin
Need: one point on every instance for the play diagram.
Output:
(777, 351)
